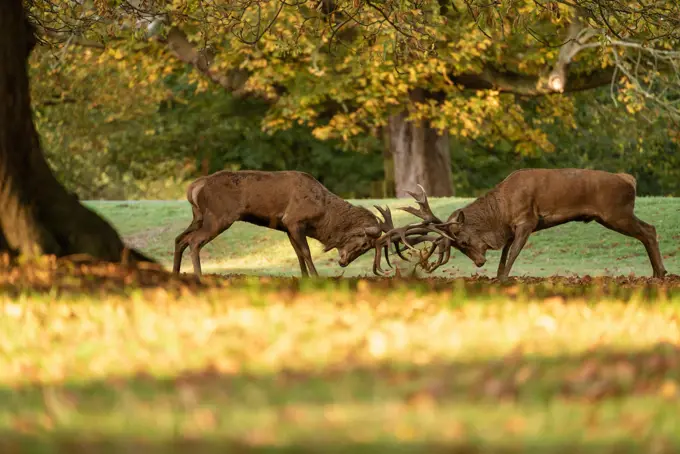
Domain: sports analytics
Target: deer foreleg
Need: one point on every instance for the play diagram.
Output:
(301, 240)
(300, 256)
(522, 233)
(504, 258)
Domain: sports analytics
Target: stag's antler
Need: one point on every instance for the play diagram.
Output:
(424, 212)
(394, 236)
(386, 223)
(431, 224)
(387, 226)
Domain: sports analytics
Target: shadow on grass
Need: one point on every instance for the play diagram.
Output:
(13, 443)
(597, 374)
(479, 390)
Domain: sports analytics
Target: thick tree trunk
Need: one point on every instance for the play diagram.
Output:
(389, 185)
(421, 156)
(37, 215)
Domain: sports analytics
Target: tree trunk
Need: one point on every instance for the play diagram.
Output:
(38, 216)
(421, 156)
(389, 185)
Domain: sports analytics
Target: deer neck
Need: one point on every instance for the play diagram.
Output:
(485, 217)
(337, 221)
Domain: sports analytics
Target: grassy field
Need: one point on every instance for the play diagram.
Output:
(100, 358)
(570, 249)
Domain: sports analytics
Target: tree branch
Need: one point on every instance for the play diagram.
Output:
(526, 85)
(577, 40)
(73, 39)
(179, 44)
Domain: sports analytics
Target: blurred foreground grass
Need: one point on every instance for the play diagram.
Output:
(282, 365)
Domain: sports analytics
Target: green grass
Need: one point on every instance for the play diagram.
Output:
(266, 364)
(570, 249)
(268, 367)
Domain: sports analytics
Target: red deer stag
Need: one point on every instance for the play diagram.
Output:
(288, 201)
(527, 201)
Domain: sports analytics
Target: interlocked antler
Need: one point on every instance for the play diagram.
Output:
(424, 212)
(387, 226)
(443, 243)
(430, 224)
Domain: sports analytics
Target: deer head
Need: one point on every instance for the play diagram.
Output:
(361, 237)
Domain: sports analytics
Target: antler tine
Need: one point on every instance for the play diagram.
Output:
(386, 224)
(377, 270)
(424, 257)
(376, 263)
(424, 212)
(444, 246)
(387, 255)
(431, 224)
(394, 236)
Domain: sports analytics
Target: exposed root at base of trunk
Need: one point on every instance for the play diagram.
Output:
(84, 274)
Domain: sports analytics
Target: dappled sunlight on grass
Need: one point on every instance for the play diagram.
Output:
(309, 363)
(104, 358)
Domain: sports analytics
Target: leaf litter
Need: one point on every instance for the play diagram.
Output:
(325, 354)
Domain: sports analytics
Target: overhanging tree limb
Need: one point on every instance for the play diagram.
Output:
(529, 85)
(234, 80)
(577, 39)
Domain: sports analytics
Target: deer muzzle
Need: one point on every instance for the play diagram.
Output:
(344, 259)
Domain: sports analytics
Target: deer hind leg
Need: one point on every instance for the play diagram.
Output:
(300, 256)
(521, 236)
(181, 243)
(209, 230)
(645, 233)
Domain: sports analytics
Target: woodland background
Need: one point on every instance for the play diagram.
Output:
(125, 118)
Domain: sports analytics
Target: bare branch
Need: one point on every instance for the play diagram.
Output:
(577, 40)
(528, 85)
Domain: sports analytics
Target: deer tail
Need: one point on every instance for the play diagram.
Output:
(630, 179)
(193, 191)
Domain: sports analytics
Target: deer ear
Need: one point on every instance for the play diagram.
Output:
(460, 217)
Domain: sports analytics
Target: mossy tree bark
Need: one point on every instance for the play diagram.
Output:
(37, 214)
